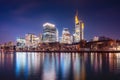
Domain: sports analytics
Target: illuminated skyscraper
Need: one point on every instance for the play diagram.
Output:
(20, 43)
(31, 40)
(50, 33)
(79, 30)
(66, 37)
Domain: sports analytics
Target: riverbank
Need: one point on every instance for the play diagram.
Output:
(74, 51)
(65, 51)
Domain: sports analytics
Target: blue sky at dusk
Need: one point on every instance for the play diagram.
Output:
(18, 17)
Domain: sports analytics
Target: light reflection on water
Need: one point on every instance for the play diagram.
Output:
(59, 66)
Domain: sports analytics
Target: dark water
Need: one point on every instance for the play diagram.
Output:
(59, 66)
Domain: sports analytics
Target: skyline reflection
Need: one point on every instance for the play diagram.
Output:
(58, 66)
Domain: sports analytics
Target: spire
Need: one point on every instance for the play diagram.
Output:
(76, 18)
(76, 12)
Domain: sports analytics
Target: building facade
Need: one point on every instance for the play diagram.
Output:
(31, 40)
(50, 33)
(79, 30)
(66, 37)
(20, 43)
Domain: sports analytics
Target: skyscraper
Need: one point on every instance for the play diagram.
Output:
(31, 40)
(20, 43)
(50, 33)
(66, 37)
(79, 30)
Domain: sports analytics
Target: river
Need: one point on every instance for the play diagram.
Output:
(59, 66)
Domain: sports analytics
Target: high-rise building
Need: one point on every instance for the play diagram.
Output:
(20, 43)
(79, 30)
(40, 38)
(50, 33)
(66, 37)
(31, 40)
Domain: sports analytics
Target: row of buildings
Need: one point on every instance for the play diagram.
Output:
(50, 35)
(49, 40)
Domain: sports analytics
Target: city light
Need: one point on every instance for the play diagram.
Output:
(82, 25)
(48, 24)
(59, 39)
(76, 19)
(50, 33)
(48, 40)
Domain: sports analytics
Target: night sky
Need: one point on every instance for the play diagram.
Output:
(18, 17)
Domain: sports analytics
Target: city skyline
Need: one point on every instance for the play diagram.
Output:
(19, 18)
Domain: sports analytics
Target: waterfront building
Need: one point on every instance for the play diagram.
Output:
(31, 40)
(95, 38)
(20, 43)
(100, 38)
(40, 38)
(66, 37)
(50, 33)
(104, 38)
(79, 30)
